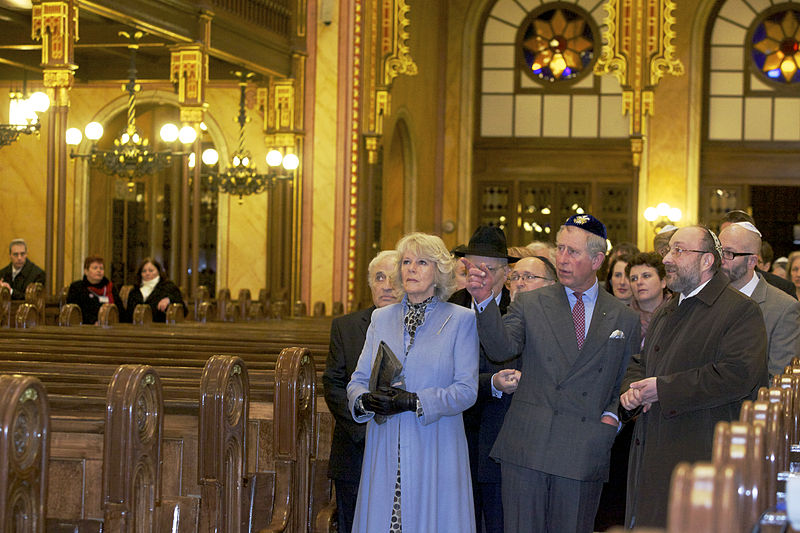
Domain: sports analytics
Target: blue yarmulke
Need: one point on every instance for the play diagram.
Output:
(588, 223)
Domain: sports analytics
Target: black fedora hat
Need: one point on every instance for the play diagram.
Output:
(487, 241)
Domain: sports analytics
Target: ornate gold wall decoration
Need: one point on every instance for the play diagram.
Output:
(189, 72)
(639, 52)
(56, 25)
(390, 56)
(394, 37)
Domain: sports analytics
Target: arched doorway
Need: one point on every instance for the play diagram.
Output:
(128, 221)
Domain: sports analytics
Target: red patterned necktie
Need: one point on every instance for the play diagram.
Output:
(579, 318)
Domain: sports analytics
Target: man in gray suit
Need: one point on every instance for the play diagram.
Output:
(741, 243)
(575, 340)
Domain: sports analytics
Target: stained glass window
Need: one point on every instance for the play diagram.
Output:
(558, 44)
(775, 45)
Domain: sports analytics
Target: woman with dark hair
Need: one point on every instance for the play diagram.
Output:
(617, 281)
(646, 274)
(154, 289)
(95, 289)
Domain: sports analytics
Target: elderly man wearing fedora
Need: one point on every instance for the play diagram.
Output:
(482, 421)
(575, 340)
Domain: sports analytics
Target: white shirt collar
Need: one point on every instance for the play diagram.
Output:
(750, 286)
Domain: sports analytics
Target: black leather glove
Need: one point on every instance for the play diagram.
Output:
(389, 401)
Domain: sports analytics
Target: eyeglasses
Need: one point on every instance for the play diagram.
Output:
(677, 251)
(493, 269)
(729, 255)
(526, 277)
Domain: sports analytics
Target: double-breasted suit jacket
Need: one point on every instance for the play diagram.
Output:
(553, 424)
(782, 320)
(347, 446)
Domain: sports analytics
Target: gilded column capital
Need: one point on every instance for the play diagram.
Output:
(189, 74)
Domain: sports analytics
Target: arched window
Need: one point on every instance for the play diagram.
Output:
(551, 139)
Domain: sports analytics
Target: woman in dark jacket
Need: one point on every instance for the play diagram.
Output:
(154, 289)
(94, 290)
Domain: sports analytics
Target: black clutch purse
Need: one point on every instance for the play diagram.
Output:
(386, 369)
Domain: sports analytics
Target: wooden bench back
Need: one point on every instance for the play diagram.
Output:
(770, 417)
(294, 431)
(319, 309)
(222, 430)
(142, 315)
(108, 315)
(175, 313)
(5, 307)
(704, 497)
(741, 445)
(34, 295)
(28, 316)
(132, 450)
(70, 315)
(25, 418)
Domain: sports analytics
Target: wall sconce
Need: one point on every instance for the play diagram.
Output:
(23, 115)
(661, 215)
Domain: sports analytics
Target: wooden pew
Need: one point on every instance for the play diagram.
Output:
(24, 414)
(224, 408)
(132, 439)
(5, 307)
(70, 315)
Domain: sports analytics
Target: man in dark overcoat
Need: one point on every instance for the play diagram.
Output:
(704, 353)
(483, 420)
(348, 333)
(575, 340)
(21, 271)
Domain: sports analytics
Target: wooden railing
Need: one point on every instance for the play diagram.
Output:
(274, 15)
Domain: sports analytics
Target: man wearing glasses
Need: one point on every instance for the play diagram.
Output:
(704, 353)
(531, 273)
(482, 421)
(741, 244)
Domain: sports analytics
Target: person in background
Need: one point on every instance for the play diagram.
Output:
(531, 273)
(482, 421)
(617, 282)
(765, 256)
(779, 267)
(737, 215)
(604, 274)
(543, 249)
(793, 272)
(647, 275)
(661, 239)
(94, 290)
(154, 289)
(741, 243)
(21, 271)
(415, 476)
(347, 340)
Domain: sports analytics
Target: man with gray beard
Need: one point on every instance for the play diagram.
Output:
(704, 353)
(741, 243)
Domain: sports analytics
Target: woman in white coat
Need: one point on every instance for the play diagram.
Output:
(415, 476)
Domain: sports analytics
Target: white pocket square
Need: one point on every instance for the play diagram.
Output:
(617, 334)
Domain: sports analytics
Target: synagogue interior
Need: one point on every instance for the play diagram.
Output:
(279, 145)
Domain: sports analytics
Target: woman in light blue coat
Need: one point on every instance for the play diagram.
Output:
(415, 476)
